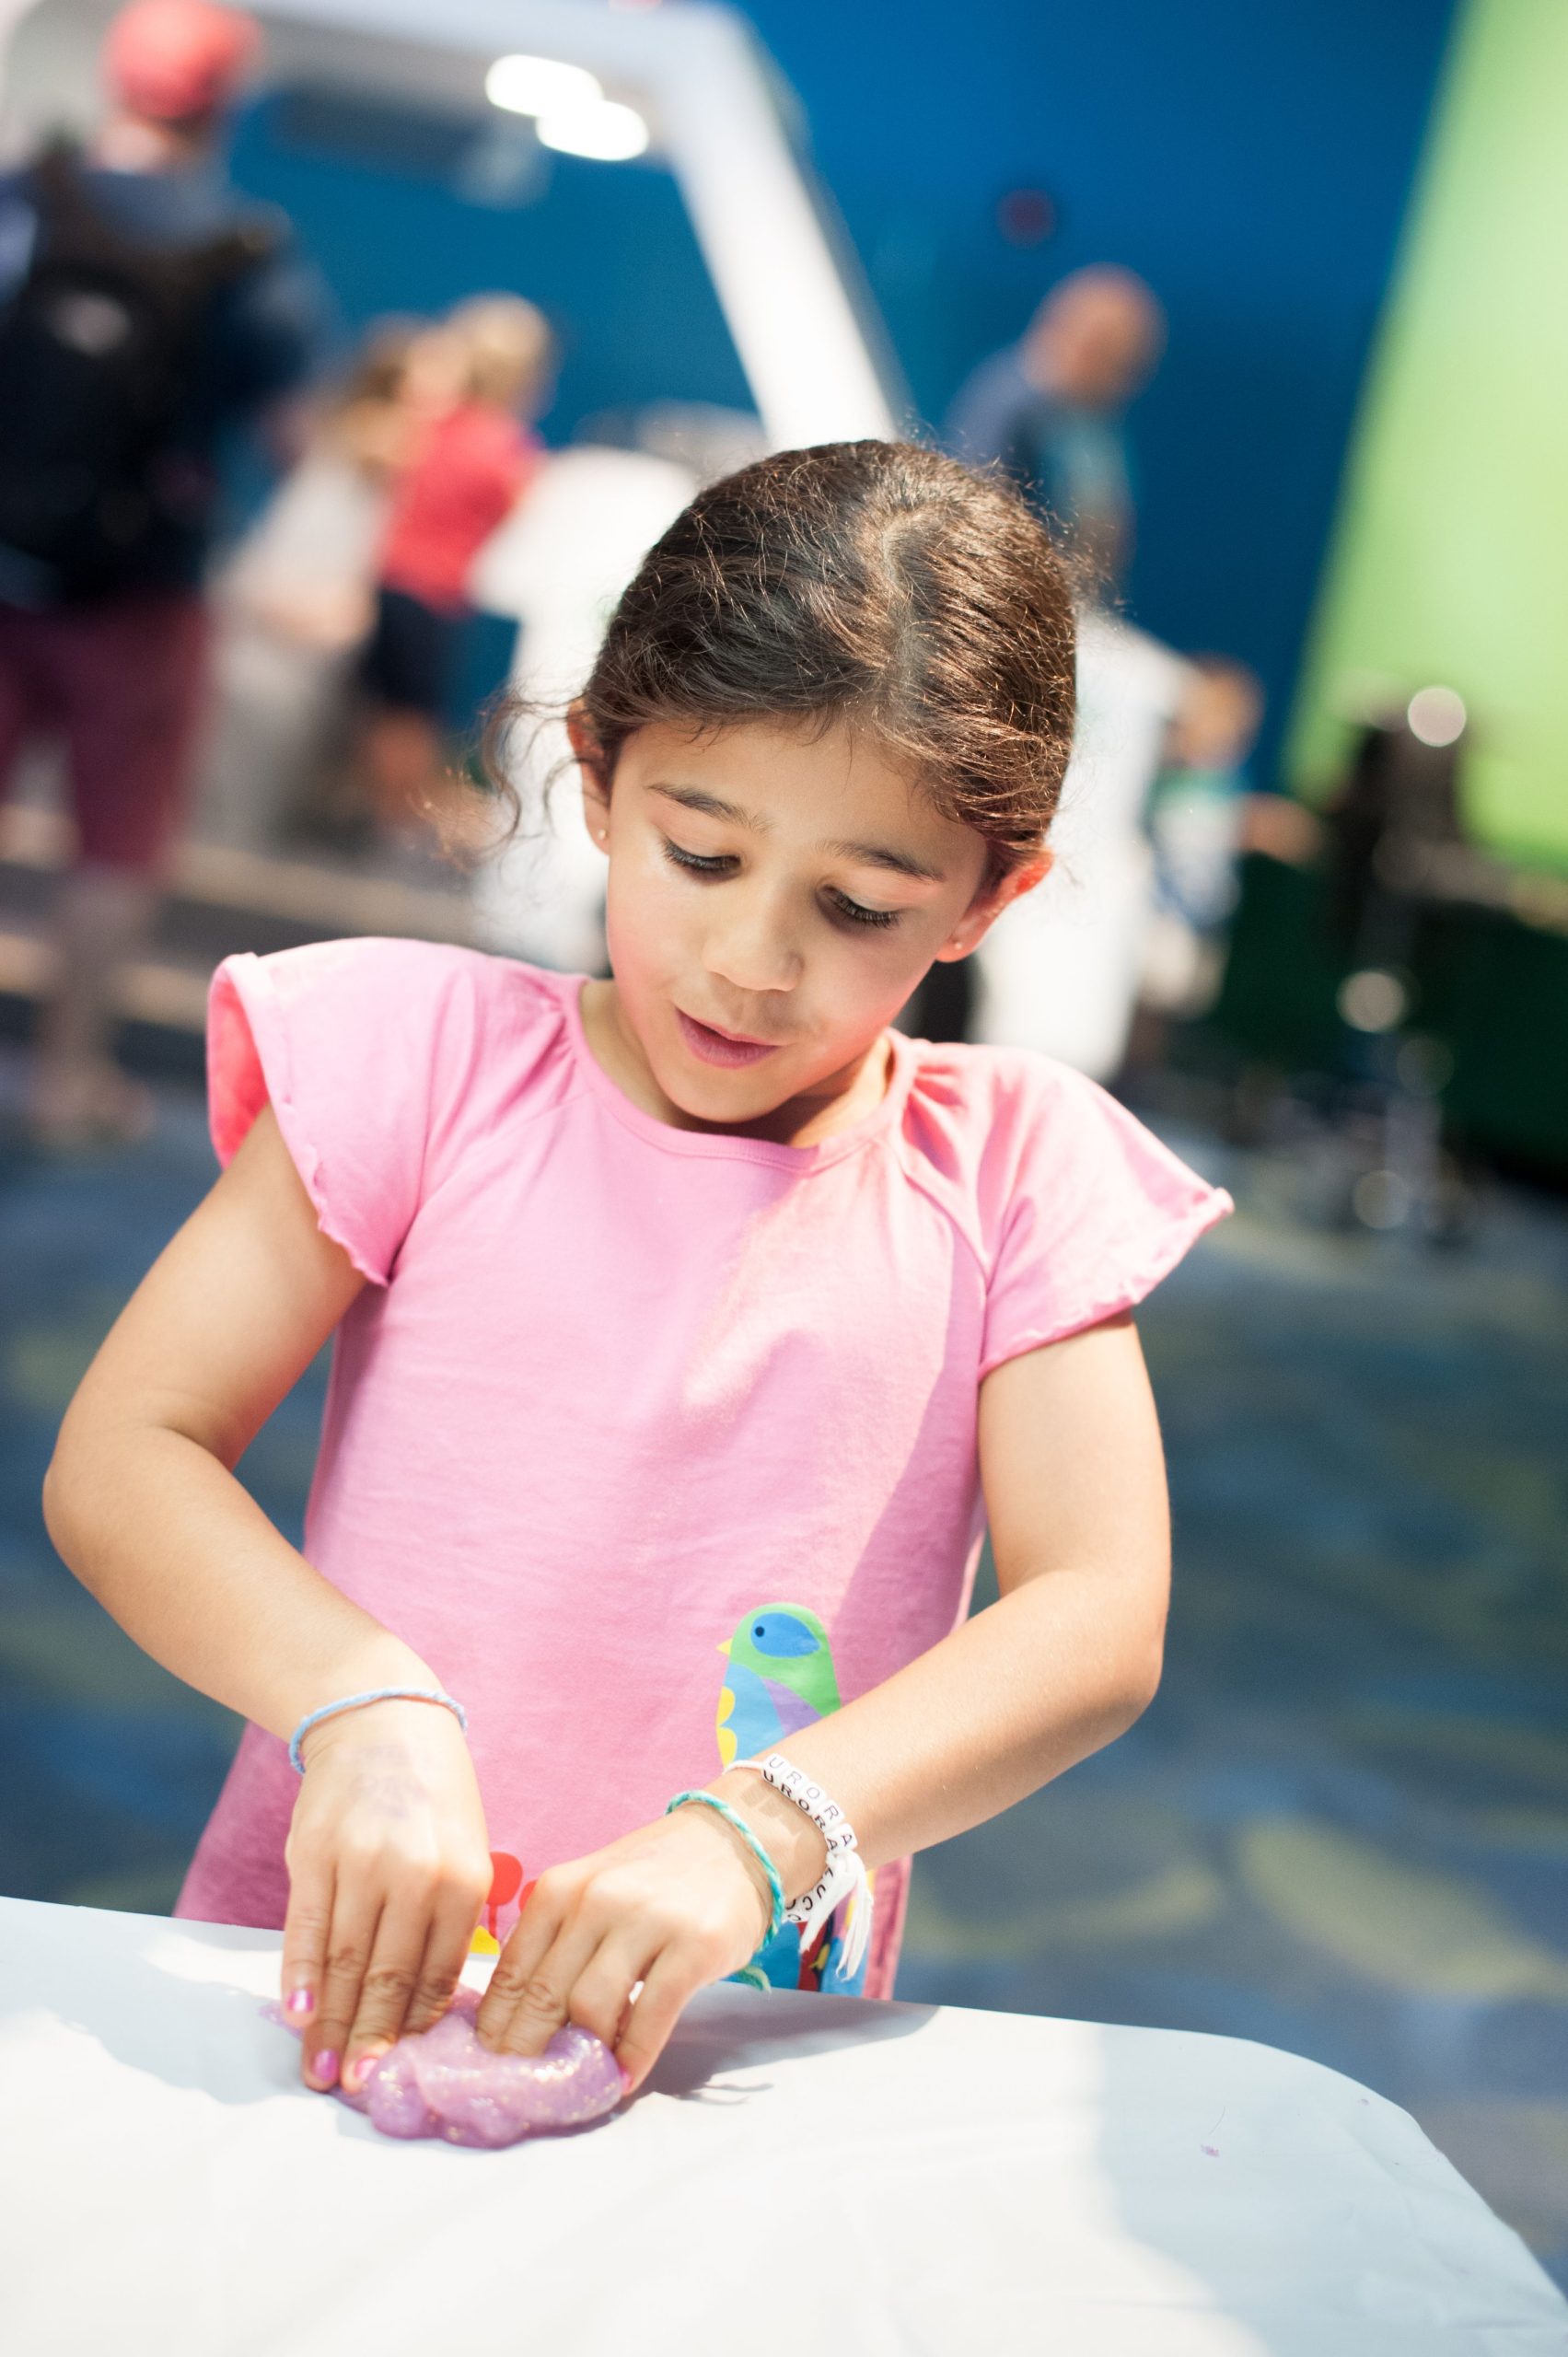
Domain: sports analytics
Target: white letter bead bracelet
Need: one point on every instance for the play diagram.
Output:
(845, 1874)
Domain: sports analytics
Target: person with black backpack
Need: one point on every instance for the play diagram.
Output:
(145, 310)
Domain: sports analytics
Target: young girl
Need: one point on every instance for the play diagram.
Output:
(690, 1327)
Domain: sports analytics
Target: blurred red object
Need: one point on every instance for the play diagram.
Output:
(174, 59)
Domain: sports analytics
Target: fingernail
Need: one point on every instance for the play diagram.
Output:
(301, 2002)
(359, 2070)
(325, 2066)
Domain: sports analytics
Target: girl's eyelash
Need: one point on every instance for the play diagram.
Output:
(854, 914)
(849, 910)
(694, 861)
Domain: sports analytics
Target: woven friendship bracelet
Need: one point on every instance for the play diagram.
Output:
(356, 1701)
(732, 1816)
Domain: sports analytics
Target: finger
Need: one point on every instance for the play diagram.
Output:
(673, 1980)
(533, 1935)
(351, 1939)
(446, 1952)
(541, 2000)
(387, 1988)
(601, 1999)
(305, 1929)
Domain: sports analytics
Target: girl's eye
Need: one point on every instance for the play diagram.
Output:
(693, 862)
(844, 910)
(853, 914)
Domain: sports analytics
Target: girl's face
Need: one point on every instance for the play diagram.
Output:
(774, 899)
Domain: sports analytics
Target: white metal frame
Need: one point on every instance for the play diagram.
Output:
(695, 71)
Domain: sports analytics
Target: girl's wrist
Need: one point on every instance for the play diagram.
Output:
(740, 1850)
(796, 1846)
(390, 1719)
(380, 1660)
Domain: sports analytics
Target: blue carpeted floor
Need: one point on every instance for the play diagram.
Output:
(1343, 1828)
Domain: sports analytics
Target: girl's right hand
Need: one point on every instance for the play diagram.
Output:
(389, 1869)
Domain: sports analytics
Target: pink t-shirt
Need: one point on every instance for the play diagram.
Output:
(615, 1389)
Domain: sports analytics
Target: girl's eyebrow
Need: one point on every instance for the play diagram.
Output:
(692, 797)
(883, 855)
(712, 806)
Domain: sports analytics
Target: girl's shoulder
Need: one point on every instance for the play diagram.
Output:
(988, 1116)
(382, 1059)
(1074, 1207)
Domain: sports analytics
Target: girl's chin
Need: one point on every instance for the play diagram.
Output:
(710, 1093)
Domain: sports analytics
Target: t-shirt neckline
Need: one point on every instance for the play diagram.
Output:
(725, 1145)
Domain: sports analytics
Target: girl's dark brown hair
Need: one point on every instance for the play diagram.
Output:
(873, 583)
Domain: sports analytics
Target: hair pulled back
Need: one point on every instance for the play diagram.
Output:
(872, 583)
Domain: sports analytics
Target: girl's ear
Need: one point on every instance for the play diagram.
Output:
(987, 904)
(590, 762)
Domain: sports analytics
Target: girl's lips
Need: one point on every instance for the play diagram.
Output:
(714, 1048)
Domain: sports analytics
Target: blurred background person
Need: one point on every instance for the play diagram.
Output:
(1049, 411)
(146, 310)
(470, 458)
(1197, 826)
(295, 605)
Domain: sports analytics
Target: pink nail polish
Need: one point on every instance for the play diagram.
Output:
(358, 2071)
(325, 2066)
(301, 2001)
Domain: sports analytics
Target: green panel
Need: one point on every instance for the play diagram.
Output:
(1450, 554)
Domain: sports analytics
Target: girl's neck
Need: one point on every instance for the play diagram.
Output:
(840, 1101)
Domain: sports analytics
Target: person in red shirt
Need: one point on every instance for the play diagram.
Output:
(472, 456)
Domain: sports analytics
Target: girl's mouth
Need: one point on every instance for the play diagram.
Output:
(718, 1047)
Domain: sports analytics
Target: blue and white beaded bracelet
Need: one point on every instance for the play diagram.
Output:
(356, 1701)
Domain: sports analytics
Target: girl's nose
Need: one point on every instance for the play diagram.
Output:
(752, 952)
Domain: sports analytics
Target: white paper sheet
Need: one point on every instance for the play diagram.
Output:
(802, 2173)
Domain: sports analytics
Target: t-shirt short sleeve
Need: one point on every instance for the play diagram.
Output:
(359, 1047)
(1093, 1211)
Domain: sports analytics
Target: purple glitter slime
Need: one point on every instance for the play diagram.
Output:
(445, 2084)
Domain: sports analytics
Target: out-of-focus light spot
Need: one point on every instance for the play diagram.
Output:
(1436, 715)
(611, 133)
(1382, 1199)
(1373, 1000)
(539, 86)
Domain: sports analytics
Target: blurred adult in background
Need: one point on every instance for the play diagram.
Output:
(144, 310)
(1049, 411)
(473, 457)
(295, 605)
(1197, 828)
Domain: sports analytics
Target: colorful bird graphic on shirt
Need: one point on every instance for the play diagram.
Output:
(781, 1678)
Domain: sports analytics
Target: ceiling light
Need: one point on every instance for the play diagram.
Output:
(609, 133)
(539, 86)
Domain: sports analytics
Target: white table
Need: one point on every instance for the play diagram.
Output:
(803, 2174)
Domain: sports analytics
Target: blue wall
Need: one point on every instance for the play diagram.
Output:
(1252, 163)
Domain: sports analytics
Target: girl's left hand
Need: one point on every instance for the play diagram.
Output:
(675, 1904)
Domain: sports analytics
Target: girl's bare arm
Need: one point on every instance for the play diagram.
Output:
(386, 1852)
(141, 1498)
(1074, 1476)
